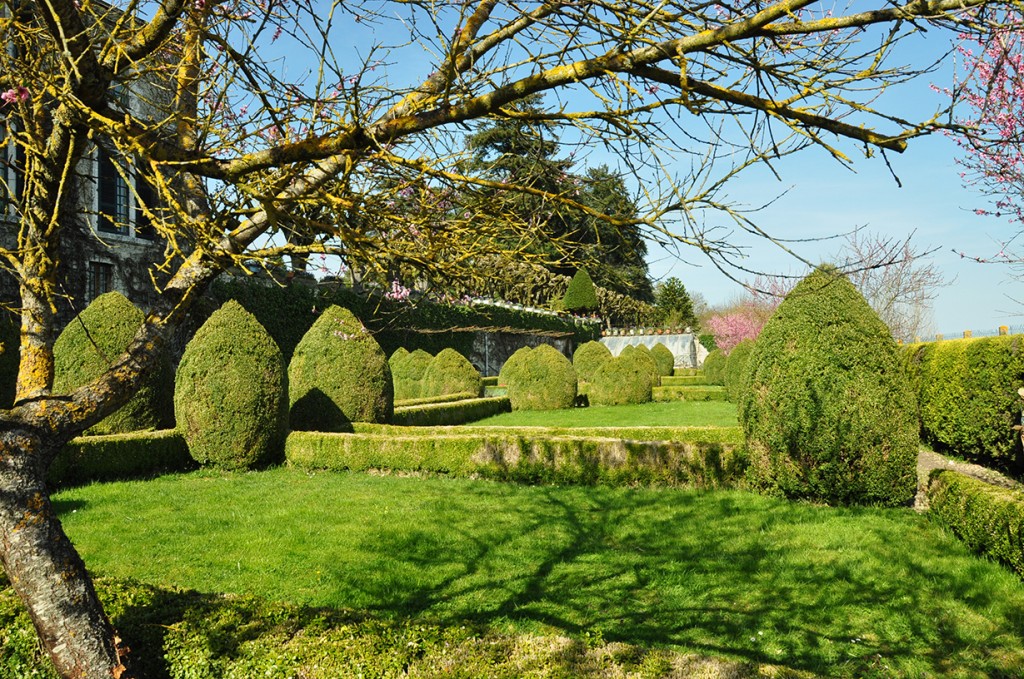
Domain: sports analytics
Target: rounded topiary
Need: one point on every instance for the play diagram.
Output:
(87, 346)
(624, 379)
(10, 344)
(736, 369)
(407, 370)
(451, 373)
(543, 380)
(714, 367)
(664, 359)
(338, 375)
(644, 353)
(230, 392)
(512, 364)
(581, 294)
(588, 357)
(828, 413)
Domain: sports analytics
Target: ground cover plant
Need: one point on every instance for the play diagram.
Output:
(668, 414)
(824, 591)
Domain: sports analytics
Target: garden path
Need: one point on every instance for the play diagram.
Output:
(928, 460)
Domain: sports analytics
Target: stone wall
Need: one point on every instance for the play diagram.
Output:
(687, 349)
(492, 349)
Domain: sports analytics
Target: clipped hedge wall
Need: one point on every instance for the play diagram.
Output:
(451, 412)
(447, 398)
(120, 456)
(542, 379)
(699, 393)
(989, 519)
(450, 373)
(525, 458)
(967, 396)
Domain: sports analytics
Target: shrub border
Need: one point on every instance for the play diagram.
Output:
(450, 413)
(117, 456)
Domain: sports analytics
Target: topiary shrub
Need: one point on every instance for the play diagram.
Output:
(407, 370)
(10, 344)
(736, 369)
(451, 373)
(588, 357)
(512, 364)
(230, 392)
(88, 344)
(714, 367)
(543, 380)
(339, 375)
(663, 359)
(644, 353)
(828, 413)
(624, 379)
(580, 295)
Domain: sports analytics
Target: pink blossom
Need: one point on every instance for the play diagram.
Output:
(15, 94)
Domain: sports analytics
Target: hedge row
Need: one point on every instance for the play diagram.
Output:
(989, 519)
(700, 393)
(120, 456)
(732, 436)
(967, 397)
(450, 413)
(524, 458)
(428, 400)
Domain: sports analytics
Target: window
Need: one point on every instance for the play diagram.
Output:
(99, 278)
(112, 192)
(145, 195)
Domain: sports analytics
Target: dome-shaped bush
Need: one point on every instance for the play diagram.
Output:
(736, 369)
(664, 359)
(645, 357)
(84, 350)
(10, 345)
(407, 370)
(828, 412)
(624, 379)
(451, 373)
(512, 364)
(580, 295)
(588, 357)
(714, 367)
(543, 380)
(230, 392)
(338, 375)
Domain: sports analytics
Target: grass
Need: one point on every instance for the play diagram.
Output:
(670, 414)
(837, 592)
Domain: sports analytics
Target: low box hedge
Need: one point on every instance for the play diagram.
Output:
(684, 381)
(707, 393)
(726, 435)
(524, 457)
(989, 519)
(120, 456)
(428, 400)
(450, 413)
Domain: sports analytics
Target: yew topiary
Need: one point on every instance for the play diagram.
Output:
(338, 375)
(543, 379)
(735, 372)
(581, 294)
(451, 373)
(230, 392)
(407, 370)
(664, 359)
(87, 346)
(714, 367)
(512, 364)
(588, 357)
(828, 414)
(622, 380)
(647, 359)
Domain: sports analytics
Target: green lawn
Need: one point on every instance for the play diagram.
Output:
(837, 592)
(669, 414)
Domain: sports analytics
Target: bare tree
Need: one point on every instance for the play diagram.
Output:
(232, 148)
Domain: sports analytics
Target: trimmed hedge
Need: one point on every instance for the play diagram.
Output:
(339, 375)
(714, 367)
(88, 344)
(827, 409)
(967, 395)
(624, 379)
(706, 434)
(524, 458)
(542, 379)
(512, 364)
(407, 372)
(644, 355)
(450, 373)
(686, 381)
(588, 357)
(120, 456)
(450, 413)
(663, 359)
(230, 393)
(735, 373)
(708, 393)
(989, 519)
(427, 400)
(581, 294)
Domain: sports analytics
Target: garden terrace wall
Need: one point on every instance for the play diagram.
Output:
(120, 456)
(450, 412)
(526, 457)
(967, 397)
(988, 518)
(686, 349)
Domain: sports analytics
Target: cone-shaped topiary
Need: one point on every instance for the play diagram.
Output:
(624, 379)
(664, 359)
(404, 387)
(543, 380)
(588, 357)
(451, 373)
(338, 375)
(512, 363)
(714, 367)
(828, 413)
(10, 344)
(580, 295)
(87, 346)
(736, 369)
(230, 395)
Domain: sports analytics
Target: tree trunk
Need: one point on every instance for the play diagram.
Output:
(45, 570)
